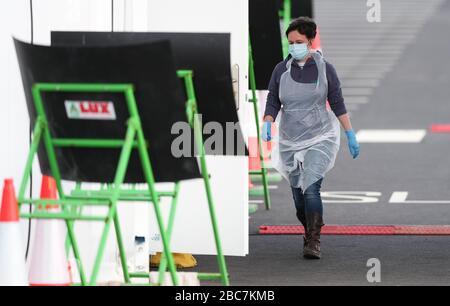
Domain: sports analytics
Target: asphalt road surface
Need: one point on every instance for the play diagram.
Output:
(395, 75)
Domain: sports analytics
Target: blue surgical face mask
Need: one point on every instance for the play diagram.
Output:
(298, 51)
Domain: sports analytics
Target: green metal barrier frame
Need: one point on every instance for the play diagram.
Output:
(191, 112)
(286, 15)
(263, 172)
(72, 205)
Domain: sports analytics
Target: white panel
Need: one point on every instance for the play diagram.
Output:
(70, 15)
(14, 21)
(14, 122)
(192, 232)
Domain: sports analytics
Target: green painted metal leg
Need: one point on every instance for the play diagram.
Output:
(258, 131)
(173, 208)
(266, 188)
(198, 137)
(118, 180)
(148, 173)
(265, 181)
(76, 253)
(212, 212)
(123, 257)
(286, 21)
(68, 243)
(165, 241)
(73, 209)
(220, 256)
(37, 135)
(101, 250)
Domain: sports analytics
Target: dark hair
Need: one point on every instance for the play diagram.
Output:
(304, 25)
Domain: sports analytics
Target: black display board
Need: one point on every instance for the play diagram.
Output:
(299, 8)
(302, 8)
(149, 67)
(265, 37)
(207, 54)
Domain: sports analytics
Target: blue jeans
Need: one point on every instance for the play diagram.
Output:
(308, 202)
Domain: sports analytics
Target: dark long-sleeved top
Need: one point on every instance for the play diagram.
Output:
(306, 74)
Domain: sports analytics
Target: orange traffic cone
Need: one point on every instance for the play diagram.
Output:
(316, 43)
(254, 159)
(49, 265)
(12, 256)
(250, 183)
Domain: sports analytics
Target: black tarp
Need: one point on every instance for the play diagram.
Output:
(302, 8)
(149, 67)
(207, 54)
(299, 8)
(265, 37)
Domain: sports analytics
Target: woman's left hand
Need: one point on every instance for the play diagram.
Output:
(353, 144)
(266, 134)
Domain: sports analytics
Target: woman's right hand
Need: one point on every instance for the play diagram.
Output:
(267, 131)
(353, 144)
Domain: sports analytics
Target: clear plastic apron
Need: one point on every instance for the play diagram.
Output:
(309, 134)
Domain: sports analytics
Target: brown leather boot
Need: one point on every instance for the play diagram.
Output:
(312, 247)
(302, 218)
(298, 198)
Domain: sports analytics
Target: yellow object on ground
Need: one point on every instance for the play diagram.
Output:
(181, 260)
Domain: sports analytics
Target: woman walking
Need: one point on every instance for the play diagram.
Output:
(309, 133)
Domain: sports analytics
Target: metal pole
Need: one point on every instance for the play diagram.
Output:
(286, 21)
(198, 137)
(173, 209)
(254, 100)
(148, 173)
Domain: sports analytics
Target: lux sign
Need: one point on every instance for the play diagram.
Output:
(90, 110)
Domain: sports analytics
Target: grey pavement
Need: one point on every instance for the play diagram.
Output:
(405, 57)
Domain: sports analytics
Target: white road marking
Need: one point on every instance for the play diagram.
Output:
(362, 53)
(351, 197)
(337, 29)
(351, 107)
(273, 187)
(351, 48)
(367, 64)
(391, 41)
(374, 58)
(360, 82)
(356, 91)
(399, 197)
(361, 75)
(356, 100)
(390, 136)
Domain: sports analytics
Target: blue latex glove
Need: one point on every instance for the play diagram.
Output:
(267, 131)
(353, 144)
